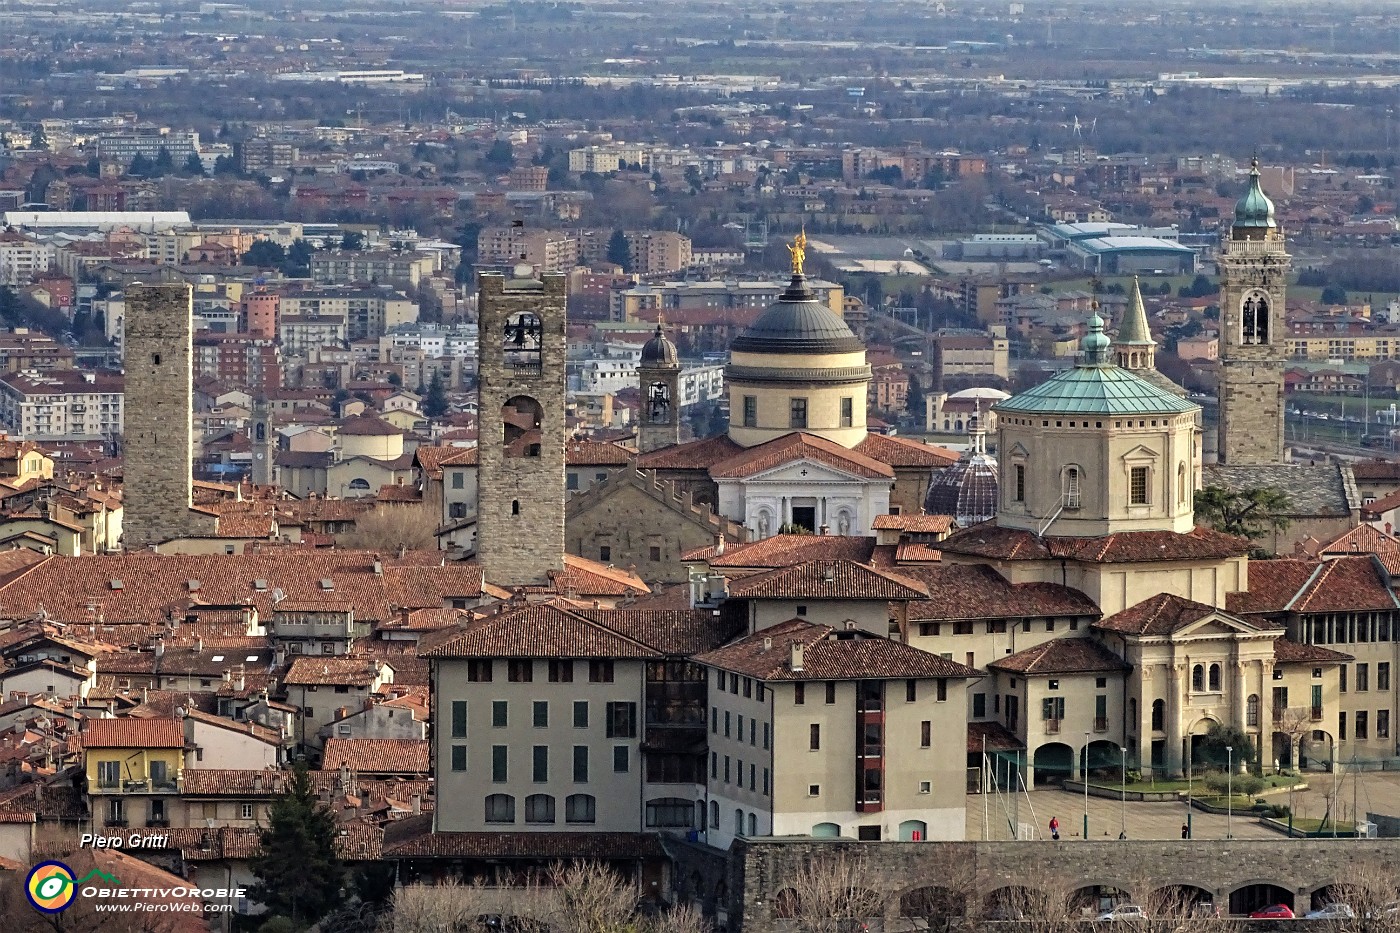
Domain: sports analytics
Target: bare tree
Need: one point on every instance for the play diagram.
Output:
(391, 527)
(831, 894)
(421, 908)
(682, 919)
(1367, 902)
(583, 897)
(1173, 908)
(945, 902)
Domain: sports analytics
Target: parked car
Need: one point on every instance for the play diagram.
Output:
(1123, 912)
(1273, 912)
(1338, 911)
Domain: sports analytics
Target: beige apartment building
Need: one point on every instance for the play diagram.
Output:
(655, 252)
(548, 250)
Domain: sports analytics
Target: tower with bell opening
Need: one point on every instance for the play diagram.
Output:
(659, 371)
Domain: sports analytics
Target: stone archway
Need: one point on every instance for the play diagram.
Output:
(1092, 899)
(1254, 895)
(1053, 761)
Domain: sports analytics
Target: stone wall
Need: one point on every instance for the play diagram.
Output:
(520, 512)
(159, 405)
(760, 868)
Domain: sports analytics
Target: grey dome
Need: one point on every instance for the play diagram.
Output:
(966, 490)
(659, 351)
(798, 323)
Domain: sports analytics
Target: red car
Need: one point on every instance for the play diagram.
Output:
(1273, 912)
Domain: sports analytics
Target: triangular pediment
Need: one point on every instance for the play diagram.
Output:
(802, 471)
(1141, 452)
(1019, 450)
(1217, 624)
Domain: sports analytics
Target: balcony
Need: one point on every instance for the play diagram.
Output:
(1100, 723)
(158, 821)
(145, 786)
(1052, 727)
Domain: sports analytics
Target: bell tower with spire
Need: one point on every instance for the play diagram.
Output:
(659, 371)
(1254, 265)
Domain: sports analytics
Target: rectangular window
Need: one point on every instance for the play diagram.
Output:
(539, 764)
(459, 758)
(815, 738)
(458, 479)
(830, 691)
(498, 764)
(726, 724)
(714, 766)
(622, 761)
(941, 689)
(622, 720)
(520, 671)
(847, 411)
(580, 714)
(541, 714)
(1052, 708)
(1382, 723)
(750, 411)
(714, 720)
(1137, 486)
(655, 553)
(1020, 483)
(748, 688)
(580, 764)
(765, 782)
(600, 672)
(765, 735)
(911, 690)
(1342, 726)
(1383, 675)
(246, 811)
(797, 413)
(925, 734)
(1342, 678)
(979, 705)
(1363, 678)
(479, 672)
(799, 694)
(459, 719)
(1363, 724)
(561, 672)
(499, 714)
(604, 553)
(726, 769)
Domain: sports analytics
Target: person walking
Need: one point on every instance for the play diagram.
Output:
(1185, 831)
(1055, 828)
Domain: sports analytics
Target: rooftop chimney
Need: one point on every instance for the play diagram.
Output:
(795, 662)
(719, 544)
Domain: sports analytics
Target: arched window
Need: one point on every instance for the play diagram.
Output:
(520, 342)
(500, 808)
(358, 484)
(659, 403)
(826, 830)
(1251, 708)
(1181, 483)
(753, 824)
(714, 814)
(515, 506)
(1254, 318)
(738, 822)
(539, 808)
(1214, 678)
(1198, 678)
(1159, 715)
(580, 808)
(1072, 487)
(521, 417)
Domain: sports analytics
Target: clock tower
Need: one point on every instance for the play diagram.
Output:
(1254, 265)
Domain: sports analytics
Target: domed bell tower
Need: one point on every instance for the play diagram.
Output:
(659, 371)
(1253, 285)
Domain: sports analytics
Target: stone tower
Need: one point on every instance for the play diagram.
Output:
(520, 517)
(659, 372)
(1253, 283)
(263, 447)
(159, 405)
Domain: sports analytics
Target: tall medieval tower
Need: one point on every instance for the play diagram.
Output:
(263, 448)
(1253, 284)
(158, 457)
(520, 516)
(659, 371)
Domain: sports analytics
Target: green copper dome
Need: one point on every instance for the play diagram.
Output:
(1096, 387)
(1254, 209)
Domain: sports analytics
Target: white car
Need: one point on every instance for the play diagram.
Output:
(1331, 912)
(1123, 912)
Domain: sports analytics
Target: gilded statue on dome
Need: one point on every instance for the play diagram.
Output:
(798, 248)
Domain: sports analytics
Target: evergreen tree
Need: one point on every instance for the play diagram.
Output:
(193, 165)
(352, 241)
(501, 155)
(298, 261)
(299, 875)
(265, 254)
(39, 139)
(140, 167)
(618, 251)
(165, 162)
(94, 167)
(914, 400)
(435, 403)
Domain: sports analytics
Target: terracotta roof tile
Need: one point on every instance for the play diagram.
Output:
(1062, 656)
(828, 655)
(669, 631)
(976, 591)
(1345, 584)
(544, 630)
(596, 453)
(989, 540)
(415, 839)
(903, 452)
(997, 738)
(696, 455)
(1272, 585)
(786, 550)
(583, 577)
(378, 756)
(914, 524)
(827, 579)
(359, 672)
(799, 446)
(133, 733)
(1291, 652)
(1164, 614)
(1376, 469)
(233, 782)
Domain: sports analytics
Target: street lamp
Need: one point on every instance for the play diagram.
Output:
(1123, 794)
(1229, 790)
(1188, 788)
(1084, 773)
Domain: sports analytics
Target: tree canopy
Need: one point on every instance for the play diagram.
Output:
(619, 253)
(1247, 513)
(299, 875)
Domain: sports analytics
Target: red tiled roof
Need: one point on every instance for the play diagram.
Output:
(989, 540)
(976, 591)
(1345, 584)
(233, 782)
(695, 455)
(368, 426)
(596, 453)
(584, 577)
(381, 756)
(544, 630)
(1376, 470)
(133, 733)
(903, 452)
(828, 655)
(417, 840)
(914, 524)
(1272, 585)
(799, 446)
(1291, 652)
(786, 550)
(1062, 656)
(357, 672)
(827, 579)
(1161, 615)
(669, 631)
(997, 738)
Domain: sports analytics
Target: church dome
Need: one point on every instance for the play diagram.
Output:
(1254, 209)
(659, 351)
(967, 490)
(798, 323)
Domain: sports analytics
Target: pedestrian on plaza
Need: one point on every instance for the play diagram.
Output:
(1055, 828)
(1185, 831)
